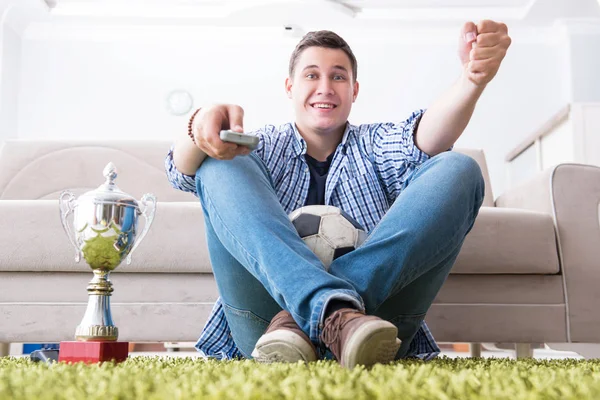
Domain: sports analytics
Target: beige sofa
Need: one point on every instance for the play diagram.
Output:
(528, 271)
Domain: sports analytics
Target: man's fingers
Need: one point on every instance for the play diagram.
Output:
(467, 36)
(208, 139)
(243, 151)
(483, 53)
(489, 39)
(222, 153)
(236, 118)
(487, 51)
(220, 149)
(488, 26)
(468, 32)
(231, 151)
(208, 126)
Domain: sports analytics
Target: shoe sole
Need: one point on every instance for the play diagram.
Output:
(371, 343)
(283, 346)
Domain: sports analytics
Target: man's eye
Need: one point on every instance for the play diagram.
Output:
(311, 76)
(339, 77)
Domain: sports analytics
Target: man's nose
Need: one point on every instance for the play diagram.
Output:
(325, 86)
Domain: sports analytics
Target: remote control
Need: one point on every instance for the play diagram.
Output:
(239, 138)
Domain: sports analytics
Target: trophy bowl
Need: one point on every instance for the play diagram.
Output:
(104, 231)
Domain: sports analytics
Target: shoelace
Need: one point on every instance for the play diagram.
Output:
(334, 326)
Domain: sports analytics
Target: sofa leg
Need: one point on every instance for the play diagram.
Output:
(475, 349)
(4, 349)
(524, 350)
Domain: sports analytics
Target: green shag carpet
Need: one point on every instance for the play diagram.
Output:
(190, 378)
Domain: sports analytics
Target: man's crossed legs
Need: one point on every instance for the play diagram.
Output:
(368, 298)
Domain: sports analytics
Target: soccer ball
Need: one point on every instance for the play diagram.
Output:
(328, 231)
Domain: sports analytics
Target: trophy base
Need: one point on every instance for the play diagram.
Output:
(93, 352)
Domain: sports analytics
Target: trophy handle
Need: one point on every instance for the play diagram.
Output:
(149, 203)
(67, 201)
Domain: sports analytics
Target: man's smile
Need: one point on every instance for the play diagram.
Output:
(323, 107)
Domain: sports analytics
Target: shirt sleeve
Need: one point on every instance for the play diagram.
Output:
(178, 180)
(394, 153)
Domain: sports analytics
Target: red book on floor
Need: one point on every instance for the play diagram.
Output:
(93, 352)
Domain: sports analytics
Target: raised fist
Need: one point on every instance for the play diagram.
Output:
(482, 48)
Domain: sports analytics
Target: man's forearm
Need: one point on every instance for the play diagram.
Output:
(187, 156)
(446, 119)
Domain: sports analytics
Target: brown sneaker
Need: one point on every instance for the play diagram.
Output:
(355, 338)
(284, 341)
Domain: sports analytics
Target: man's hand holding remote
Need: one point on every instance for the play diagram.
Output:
(206, 127)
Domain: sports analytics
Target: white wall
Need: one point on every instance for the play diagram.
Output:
(584, 57)
(111, 83)
(15, 15)
(10, 69)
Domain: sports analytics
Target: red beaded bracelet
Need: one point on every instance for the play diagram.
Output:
(190, 131)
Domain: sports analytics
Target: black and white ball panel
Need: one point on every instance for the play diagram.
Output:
(338, 231)
(314, 210)
(307, 224)
(328, 231)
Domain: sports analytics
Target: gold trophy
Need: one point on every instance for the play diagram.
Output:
(104, 232)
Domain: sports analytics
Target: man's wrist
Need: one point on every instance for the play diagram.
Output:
(470, 88)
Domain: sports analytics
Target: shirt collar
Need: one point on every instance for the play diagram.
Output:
(299, 146)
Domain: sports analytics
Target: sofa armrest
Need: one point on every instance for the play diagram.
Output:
(571, 194)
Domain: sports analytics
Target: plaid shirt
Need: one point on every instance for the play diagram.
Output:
(366, 175)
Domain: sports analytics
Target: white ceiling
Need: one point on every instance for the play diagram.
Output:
(303, 15)
(267, 11)
(352, 3)
(357, 8)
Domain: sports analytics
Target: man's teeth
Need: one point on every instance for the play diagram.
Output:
(323, 105)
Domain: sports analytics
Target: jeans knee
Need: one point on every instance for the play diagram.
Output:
(212, 169)
(466, 170)
(214, 172)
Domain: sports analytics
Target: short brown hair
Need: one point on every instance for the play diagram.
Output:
(326, 39)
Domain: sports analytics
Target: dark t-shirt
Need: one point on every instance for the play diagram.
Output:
(318, 177)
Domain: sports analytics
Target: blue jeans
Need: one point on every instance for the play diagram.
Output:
(262, 266)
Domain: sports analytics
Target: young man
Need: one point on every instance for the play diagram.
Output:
(416, 200)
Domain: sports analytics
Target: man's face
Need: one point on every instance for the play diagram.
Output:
(322, 89)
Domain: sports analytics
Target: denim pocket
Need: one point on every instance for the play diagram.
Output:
(246, 328)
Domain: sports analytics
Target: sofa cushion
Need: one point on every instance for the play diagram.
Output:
(509, 241)
(32, 239)
(502, 241)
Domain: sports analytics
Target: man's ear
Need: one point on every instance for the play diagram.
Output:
(355, 91)
(288, 87)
